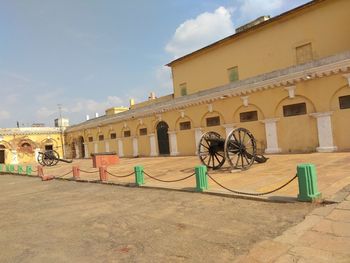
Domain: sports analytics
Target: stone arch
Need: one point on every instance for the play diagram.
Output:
(297, 133)
(162, 129)
(243, 108)
(296, 99)
(183, 119)
(340, 119)
(256, 127)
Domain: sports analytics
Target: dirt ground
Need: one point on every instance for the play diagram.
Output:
(63, 221)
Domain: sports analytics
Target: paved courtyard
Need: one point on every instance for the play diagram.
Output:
(333, 173)
(62, 221)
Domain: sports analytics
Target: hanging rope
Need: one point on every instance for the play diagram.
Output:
(253, 194)
(169, 181)
(120, 176)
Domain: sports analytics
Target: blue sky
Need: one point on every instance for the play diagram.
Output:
(90, 55)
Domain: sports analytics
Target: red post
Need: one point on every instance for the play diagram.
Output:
(76, 172)
(103, 173)
(40, 171)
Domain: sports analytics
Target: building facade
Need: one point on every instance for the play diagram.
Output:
(22, 145)
(286, 79)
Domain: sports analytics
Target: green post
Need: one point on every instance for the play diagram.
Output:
(307, 180)
(7, 168)
(19, 169)
(29, 170)
(201, 178)
(139, 177)
(12, 168)
(0, 167)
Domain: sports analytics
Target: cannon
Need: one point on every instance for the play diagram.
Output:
(239, 149)
(50, 158)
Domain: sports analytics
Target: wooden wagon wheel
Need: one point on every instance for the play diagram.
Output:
(240, 148)
(52, 157)
(40, 159)
(211, 150)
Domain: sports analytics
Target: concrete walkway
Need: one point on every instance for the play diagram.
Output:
(324, 236)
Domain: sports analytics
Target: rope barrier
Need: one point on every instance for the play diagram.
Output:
(88, 172)
(120, 176)
(60, 176)
(169, 181)
(253, 194)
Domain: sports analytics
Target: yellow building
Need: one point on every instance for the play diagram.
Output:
(22, 145)
(286, 79)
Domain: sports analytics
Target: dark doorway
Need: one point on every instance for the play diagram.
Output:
(48, 147)
(2, 154)
(81, 147)
(163, 137)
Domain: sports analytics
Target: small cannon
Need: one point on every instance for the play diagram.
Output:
(50, 158)
(239, 149)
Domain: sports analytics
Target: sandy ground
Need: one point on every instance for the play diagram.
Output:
(63, 221)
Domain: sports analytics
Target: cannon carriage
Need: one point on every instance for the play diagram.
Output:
(50, 158)
(239, 149)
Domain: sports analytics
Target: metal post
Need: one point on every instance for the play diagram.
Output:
(139, 177)
(201, 178)
(307, 180)
(29, 170)
(103, 174)
(19, 169)
(76, 172)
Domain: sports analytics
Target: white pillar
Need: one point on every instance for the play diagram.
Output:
(197, 137)
(347, 76)
(77, 155)
(173, 143)
(120, 147)
(95, 147)
(36, 153)
(106, 146)
(271, 136)
(86, 150)
(152, 142)
(228, 128)
(135, 146)
(325, 133)
(14, 157)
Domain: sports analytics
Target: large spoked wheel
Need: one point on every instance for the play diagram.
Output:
(211, 150)
(240, 148)
(40, 158)
(52, 157)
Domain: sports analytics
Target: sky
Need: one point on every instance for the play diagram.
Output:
(89, 55)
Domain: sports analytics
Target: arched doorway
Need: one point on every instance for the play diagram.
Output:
(2, 153)
(81, 147)
(163, 138)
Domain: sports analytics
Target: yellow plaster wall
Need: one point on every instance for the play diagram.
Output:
(269, 48)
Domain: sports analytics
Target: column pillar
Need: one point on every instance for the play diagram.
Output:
(135, 146)
(173, 143)
(271, 136)
(120, 147)
(152, 142)
(77, 155)
(228, 128)
(324, 130)
(95, 147)
(86, 150)
(197, 137)
(106, 146)
(36, 154)
(14, 157)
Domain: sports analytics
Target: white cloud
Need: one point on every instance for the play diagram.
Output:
(44, 112)
(4, 115)
(201, 31)
(251, 9)
(92, 106)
